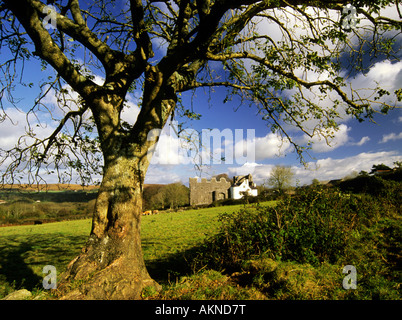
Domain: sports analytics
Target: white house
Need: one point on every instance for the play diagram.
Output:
(241, 185)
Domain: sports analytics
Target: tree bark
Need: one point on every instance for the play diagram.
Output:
(111, 265)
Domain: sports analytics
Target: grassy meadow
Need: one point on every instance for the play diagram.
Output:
(25, 250)
(295, 248)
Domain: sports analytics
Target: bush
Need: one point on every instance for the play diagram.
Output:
(290, 280)
(207, 285)
(312, 227)
(244, 200)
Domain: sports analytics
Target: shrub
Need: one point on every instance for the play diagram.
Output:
(386, 191)
(312, 227)
(290, 280)
(207, 285)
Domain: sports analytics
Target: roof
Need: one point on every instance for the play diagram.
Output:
(238, 180)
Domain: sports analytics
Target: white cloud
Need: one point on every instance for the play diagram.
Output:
(174, 150)
(260, 172)
(361, 142)
(386, 74)
(391, 136)
(329, 168)
(323, 169)
(14, 133)
(270, 146)
(162, 174)
(169, 151)
(130, 113)
(12, 130)
(216, 147)
(320, 144)
(245, 169)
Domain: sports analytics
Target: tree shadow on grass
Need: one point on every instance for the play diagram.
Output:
(14, 269)
(22, 260)
(171, 267)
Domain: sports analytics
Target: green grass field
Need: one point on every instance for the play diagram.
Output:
(25, 250)
(169, 241)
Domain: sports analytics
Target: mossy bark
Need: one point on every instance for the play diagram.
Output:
(111, 265)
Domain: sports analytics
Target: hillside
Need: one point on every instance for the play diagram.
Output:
(47, 187)
(58, 187)
(23, 204)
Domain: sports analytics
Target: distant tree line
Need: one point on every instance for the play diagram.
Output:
(170, 196)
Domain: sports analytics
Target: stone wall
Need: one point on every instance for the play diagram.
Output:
(205, 192)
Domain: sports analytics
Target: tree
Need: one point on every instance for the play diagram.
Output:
(172, 195)
(281, 178)
(379, 167)
(315, 182)
(363, 173)
(351, 175)
(398, 165)
(151, 198)
(176, 194)
(285, 76)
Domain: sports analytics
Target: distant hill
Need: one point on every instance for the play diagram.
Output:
(60, 187)
(48, 187)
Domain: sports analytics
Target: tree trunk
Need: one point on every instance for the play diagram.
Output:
(111, 265)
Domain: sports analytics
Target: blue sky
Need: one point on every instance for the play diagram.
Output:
(355, 147)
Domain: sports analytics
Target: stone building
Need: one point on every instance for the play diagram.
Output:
(208, 191)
